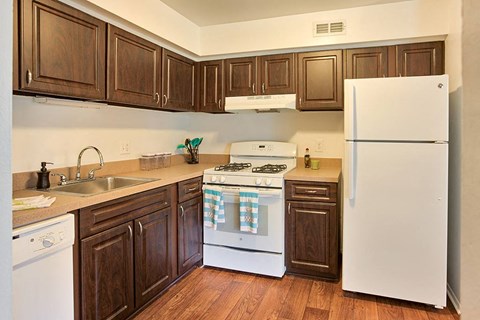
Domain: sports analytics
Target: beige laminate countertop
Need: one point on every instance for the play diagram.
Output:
(323, 174)
(65, 204)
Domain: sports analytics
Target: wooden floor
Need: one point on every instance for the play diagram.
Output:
(216, 294)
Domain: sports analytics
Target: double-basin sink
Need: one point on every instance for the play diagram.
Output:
(85, 188)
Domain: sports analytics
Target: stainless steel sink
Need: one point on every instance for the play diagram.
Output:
(99, 185)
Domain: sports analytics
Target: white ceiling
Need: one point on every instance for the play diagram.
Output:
(212, 12)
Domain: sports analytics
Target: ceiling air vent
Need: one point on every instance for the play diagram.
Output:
(330, 28)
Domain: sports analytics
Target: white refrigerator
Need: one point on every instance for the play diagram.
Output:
(395, 188)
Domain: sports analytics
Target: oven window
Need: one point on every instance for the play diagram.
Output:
(232, 219)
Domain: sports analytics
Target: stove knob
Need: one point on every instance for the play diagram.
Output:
(258, 181)
(213, 178)
(268, 182)
(222, 179)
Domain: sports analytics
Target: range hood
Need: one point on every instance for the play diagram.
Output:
(261, 104)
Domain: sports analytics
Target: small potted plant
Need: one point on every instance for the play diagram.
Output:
(192, 149)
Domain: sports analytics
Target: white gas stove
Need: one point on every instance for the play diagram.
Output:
(258, 166)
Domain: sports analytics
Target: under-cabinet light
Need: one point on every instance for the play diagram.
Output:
(70, 103)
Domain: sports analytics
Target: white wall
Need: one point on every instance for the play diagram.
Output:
(395, 21)
(57, 133)
(453, 67)
(6, 32)
(375, 24)
(470, 172)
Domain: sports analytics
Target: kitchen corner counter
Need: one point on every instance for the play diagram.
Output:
(323, 174)
(65, 203)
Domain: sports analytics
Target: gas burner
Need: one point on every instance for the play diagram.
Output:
(233, 166)
(270, 168)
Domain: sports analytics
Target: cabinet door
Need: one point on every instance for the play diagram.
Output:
(277, 74)
(62, 50)
(240, 77)
(133, 69)
(153, 254)
(320, 81)
(312, 239)
(211, 86)
(107, 274)
(420, 59)
(178, 82)
(190, 234)
(366, 63)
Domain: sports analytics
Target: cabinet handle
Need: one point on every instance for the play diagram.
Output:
(263, 87)
(29, 77)
(253, 88)
(193, 189)
(157, 98)
(311, 191)
(399, 74)
(289, 207)
(141, 227)
(300, 101)
(183, 211)
(165, 99)
(220, 104)
(130, 232)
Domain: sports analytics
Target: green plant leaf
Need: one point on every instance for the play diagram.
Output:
(181, 146)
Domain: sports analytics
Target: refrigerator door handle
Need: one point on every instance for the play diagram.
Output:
(351, 115)
(350, 160)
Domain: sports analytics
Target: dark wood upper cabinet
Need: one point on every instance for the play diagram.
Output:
(274, 74)
(240, 77)
(153, 255)
(107, 274)
(190, 234)
(420, 59)
(62, 50)
(366, 63)
(15, 69)
(320, 81)
(211, 86)
(277, 74)
(178, 82)
(133, 69)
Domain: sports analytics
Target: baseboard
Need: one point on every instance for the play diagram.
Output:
(453, 298)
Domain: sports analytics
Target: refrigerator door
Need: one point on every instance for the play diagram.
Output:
(397, 109)
(395, 220)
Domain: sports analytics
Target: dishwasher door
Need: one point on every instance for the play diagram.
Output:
(43, 269)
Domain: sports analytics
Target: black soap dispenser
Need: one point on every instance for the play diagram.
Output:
(43, 181)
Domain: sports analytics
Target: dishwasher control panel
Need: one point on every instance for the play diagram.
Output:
(42, 238)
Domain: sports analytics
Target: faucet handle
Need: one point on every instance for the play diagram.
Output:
(63, 178)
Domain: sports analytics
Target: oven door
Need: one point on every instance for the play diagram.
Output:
(270, 232)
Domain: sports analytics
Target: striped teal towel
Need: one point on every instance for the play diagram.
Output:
(213, 207)
(249, 211)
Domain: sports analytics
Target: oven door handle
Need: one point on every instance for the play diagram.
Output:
(274, 193)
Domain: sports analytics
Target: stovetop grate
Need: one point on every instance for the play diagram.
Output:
(270, 168)
(234, 166)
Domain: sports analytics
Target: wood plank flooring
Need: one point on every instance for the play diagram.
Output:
(217, 294)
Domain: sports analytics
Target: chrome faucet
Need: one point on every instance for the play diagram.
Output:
(91, 173)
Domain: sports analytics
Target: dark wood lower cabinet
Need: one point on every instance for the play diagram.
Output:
(190, 234)
(153, 251)
(312, 234)
(312, 228)
(107, 274)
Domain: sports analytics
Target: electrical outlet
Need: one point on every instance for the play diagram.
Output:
(320, 146)
(125, 147)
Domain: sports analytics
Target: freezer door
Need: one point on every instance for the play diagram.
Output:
(395, 220)
(400, 109)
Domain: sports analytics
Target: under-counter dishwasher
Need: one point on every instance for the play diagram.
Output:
(43, 269)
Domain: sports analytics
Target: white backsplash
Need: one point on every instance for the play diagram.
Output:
(58, 133)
